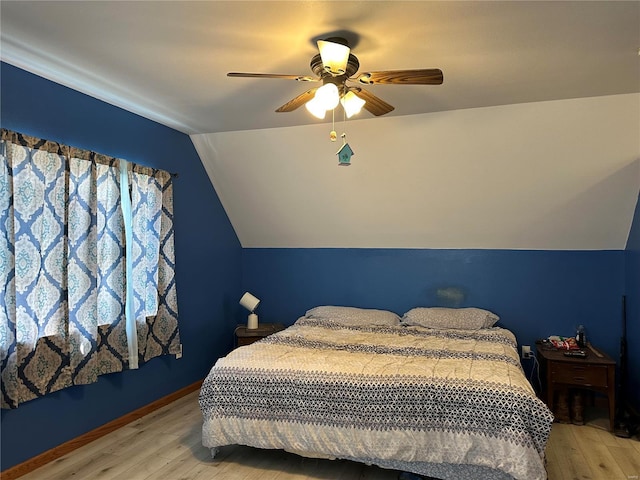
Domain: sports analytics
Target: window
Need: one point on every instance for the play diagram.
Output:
(86, 266)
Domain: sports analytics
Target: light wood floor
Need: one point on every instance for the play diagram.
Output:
(166, 445)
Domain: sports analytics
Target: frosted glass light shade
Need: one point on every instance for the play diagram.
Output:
(352, 104)
(315, 108)
(334, 57)
(328, 96)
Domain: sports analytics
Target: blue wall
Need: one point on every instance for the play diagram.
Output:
(208, 255)
(632, 268)
(535, 293)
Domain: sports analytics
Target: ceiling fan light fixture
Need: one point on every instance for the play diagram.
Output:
(316, 108)
(335, 56)
(335, 64)
(352, 104)
(328, 96)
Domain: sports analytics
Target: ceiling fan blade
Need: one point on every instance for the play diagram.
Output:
(300, 100)
(373, 104)
(300, 78)
(425, 76)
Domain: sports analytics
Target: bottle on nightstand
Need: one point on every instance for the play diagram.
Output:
(581, 337)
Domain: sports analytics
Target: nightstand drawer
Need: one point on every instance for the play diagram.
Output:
(587, 375)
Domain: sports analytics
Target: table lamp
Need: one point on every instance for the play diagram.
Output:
(250, 302)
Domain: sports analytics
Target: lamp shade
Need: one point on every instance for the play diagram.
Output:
(328, 96)
(249, 302)
(334, 56)
(352, 104)
(315, 108)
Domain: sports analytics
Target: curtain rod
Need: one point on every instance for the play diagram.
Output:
(53, 146)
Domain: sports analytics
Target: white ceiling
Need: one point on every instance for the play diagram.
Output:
(532, 142)
(167, 60)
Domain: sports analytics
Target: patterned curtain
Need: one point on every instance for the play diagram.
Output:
(63, 267)
(153, 262)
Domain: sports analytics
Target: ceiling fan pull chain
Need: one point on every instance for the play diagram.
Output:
(333, 135)
(344, 124)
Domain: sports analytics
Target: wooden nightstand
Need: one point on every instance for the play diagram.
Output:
(245, 336)
(596, 372)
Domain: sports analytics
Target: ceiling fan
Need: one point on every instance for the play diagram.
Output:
(335, 66)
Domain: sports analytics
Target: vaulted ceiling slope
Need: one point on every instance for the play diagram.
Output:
(531, 143)
(557, 175)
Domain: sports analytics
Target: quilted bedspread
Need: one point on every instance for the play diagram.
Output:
(444, 403)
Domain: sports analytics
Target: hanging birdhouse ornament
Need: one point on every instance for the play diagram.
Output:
(344, 155)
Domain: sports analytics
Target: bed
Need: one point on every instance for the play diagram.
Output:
(439, 393)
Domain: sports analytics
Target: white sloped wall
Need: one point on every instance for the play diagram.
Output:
(557, 175)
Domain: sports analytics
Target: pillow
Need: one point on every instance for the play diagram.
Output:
(353, 316)
(459, 318)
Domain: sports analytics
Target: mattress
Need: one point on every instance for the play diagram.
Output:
(446, 403)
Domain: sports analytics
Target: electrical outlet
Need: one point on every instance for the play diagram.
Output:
(526, 352)
(179, 354)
